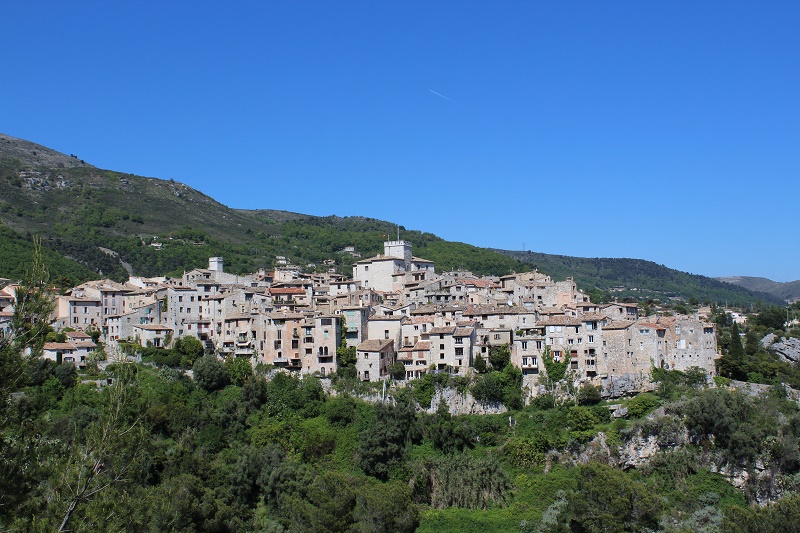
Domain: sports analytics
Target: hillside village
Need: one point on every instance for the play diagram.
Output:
(395, 308)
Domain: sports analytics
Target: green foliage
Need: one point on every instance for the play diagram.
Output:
(397, 370)
(239, 370)
(771, 317)
(650, 280)
(189, 349)
(383, 445)
(641, 404)
(555, 371)
(608, 500)
(480, 364)
(589, 394)
(461, 481)
(448, 433)
(499, 357)
(210, 373)
(504, 387)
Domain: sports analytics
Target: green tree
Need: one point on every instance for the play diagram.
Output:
(397, 370)
(34, 304)
(383, 445)
(189, 349)
(479, 364)
(210, 373)
(607, 500)
(499, 356)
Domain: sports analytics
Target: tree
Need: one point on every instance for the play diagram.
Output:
(499, 356)
(106, 454)
(589, 394)
(189, 349)
(210, 373)
(239, 370)
(770, 317)
(383, 444)
(607, 500)
(479, 364)
(732, 364)
(397, 370)
(34, 304)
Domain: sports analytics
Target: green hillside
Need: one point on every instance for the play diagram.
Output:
(79, 209)
(639, 279)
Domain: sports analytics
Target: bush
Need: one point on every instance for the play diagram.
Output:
(589, 394)
(642, 404)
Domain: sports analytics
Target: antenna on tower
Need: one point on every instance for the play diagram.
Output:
(398, 232)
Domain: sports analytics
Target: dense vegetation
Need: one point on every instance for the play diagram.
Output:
(236, 449)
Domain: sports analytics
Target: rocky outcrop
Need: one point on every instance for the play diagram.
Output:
(464, 404)
(625, 385)
(788, 349)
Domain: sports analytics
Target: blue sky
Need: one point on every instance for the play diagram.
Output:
(667, 131)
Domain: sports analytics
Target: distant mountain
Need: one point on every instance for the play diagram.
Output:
(788, 291)
(92, 220)
(638, 279)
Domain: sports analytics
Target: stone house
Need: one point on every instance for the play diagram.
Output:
(155, 335)
(374, 358)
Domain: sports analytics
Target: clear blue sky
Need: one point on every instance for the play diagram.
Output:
(667, 131)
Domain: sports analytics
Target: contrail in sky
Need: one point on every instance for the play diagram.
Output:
(442, 96)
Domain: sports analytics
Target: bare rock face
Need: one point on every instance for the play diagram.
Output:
(464, 404)
(788, 349)
(624, 385)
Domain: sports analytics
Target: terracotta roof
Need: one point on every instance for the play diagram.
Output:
(463, 332)
(422, 346)
(446, 330)
(618, 325)
(374, 345)
(78, 335)
(479, 310)
(286, 290)
(58, 346)
(387, 317)
(379, 258)
(84, 344)
(424, 319)
(561, 320)
(480, 283)
(152, 327)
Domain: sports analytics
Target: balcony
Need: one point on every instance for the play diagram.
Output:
(280, 360)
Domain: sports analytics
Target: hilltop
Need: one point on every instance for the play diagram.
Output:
(164, 227)
(788, 291)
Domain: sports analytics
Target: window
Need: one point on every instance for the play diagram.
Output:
(459, 340)
(386, 334)
(441, 346)
(497, 336)
(591, 338)
(459, 351)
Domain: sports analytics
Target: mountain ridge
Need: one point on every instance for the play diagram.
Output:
(78, 209)
(786, 290)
